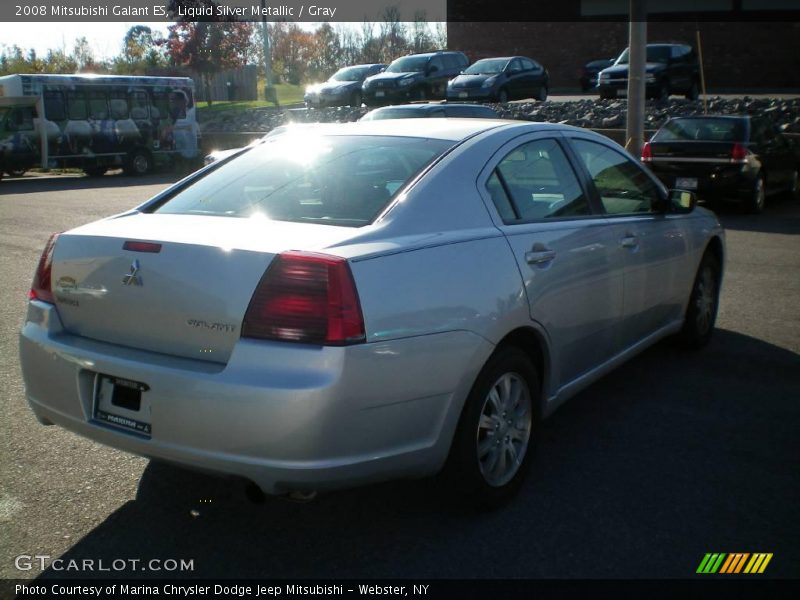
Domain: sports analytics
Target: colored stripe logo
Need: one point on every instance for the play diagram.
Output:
(736, 562)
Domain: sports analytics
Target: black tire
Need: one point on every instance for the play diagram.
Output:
(95, 171)
(16, 172)
(542, 96)
(793, 191)
(754, 204)
(663, 91)
(701, 312)
(470, 474)
(355, 100)
(138, 163)
(502, 95)
(607, 94)
(694, 92)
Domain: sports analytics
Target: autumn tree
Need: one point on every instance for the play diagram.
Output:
(208, 47)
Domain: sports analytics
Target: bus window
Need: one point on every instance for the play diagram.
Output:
(161, 105)
(187, 92)
(76, 106)
(98, 106)
(138, 102)
(177, 105)
(54, 106)
(118, 103)
(22, 119)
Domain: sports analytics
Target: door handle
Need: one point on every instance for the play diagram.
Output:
(539, 257)
(629, 241)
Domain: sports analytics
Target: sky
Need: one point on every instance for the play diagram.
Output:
(105, 38)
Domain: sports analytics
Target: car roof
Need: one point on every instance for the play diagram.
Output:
(449, 128)
(739, 117)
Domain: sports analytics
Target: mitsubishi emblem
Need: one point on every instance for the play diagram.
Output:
(132, 278)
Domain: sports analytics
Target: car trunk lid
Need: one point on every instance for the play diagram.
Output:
(182, 289)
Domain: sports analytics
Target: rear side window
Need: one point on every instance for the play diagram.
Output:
(308, 178)
(536, 181)
(76, 103)
(710, 130)
(623, 186)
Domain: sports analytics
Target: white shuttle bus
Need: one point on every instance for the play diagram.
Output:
(96, 122)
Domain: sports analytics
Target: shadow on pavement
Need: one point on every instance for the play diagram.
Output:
(671, 456)
(38, 184)
(781, 215)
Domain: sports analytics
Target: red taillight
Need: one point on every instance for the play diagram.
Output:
(306, 297)
(647, 152)
(41, 288)
(738, 153)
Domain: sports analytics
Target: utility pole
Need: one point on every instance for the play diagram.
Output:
(637, 57)
(270, 93)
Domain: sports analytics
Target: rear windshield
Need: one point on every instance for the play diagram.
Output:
(408, 64)
(380, 114)
(710, 130)
(655, 54)
(303, 177)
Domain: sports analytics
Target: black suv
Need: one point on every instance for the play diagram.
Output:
(670, 69)
(414, 77)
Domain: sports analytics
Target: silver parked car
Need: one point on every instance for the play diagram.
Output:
(359, 302)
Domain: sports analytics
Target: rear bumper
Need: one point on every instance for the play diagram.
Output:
(728, 183)
(285, 416)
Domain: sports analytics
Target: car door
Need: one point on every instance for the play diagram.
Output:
(515, 83)
(652, 244)
(566, 253)
(533, 75)
(437, 77)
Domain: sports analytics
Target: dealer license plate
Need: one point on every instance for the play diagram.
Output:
(686, 183)
(463, 95)
(123, 404)
(379, 94)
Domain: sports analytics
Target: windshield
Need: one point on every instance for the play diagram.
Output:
(350, 74)
(487, 66)
(655, 54)
(408, 64)
(305, 177)
(711, 130)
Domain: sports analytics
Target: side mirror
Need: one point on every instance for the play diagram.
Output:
(682, 201)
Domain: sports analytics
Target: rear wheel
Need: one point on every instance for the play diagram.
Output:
(755, 203)
(496, 433)
(138, 163)
(701, 313)
(542, 95)
(16, 172)
(355, 100)
(794, 186)
(95, 171)
(694, 92)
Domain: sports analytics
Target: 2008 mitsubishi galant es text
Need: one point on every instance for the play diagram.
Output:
(367, 301)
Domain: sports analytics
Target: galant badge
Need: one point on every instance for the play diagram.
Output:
(132, 278)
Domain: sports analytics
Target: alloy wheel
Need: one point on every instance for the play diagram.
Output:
(504, 429)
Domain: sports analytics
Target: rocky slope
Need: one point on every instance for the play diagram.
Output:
(591, 112)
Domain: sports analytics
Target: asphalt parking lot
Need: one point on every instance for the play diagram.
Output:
(671, 456)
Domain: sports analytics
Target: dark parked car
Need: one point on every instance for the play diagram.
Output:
(421, 111)
(414, 77)
(739, 158)
(500, 79)
(589, 71)
(343, 88)
(671, 69)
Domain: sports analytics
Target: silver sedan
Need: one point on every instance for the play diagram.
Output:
(352, 303)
